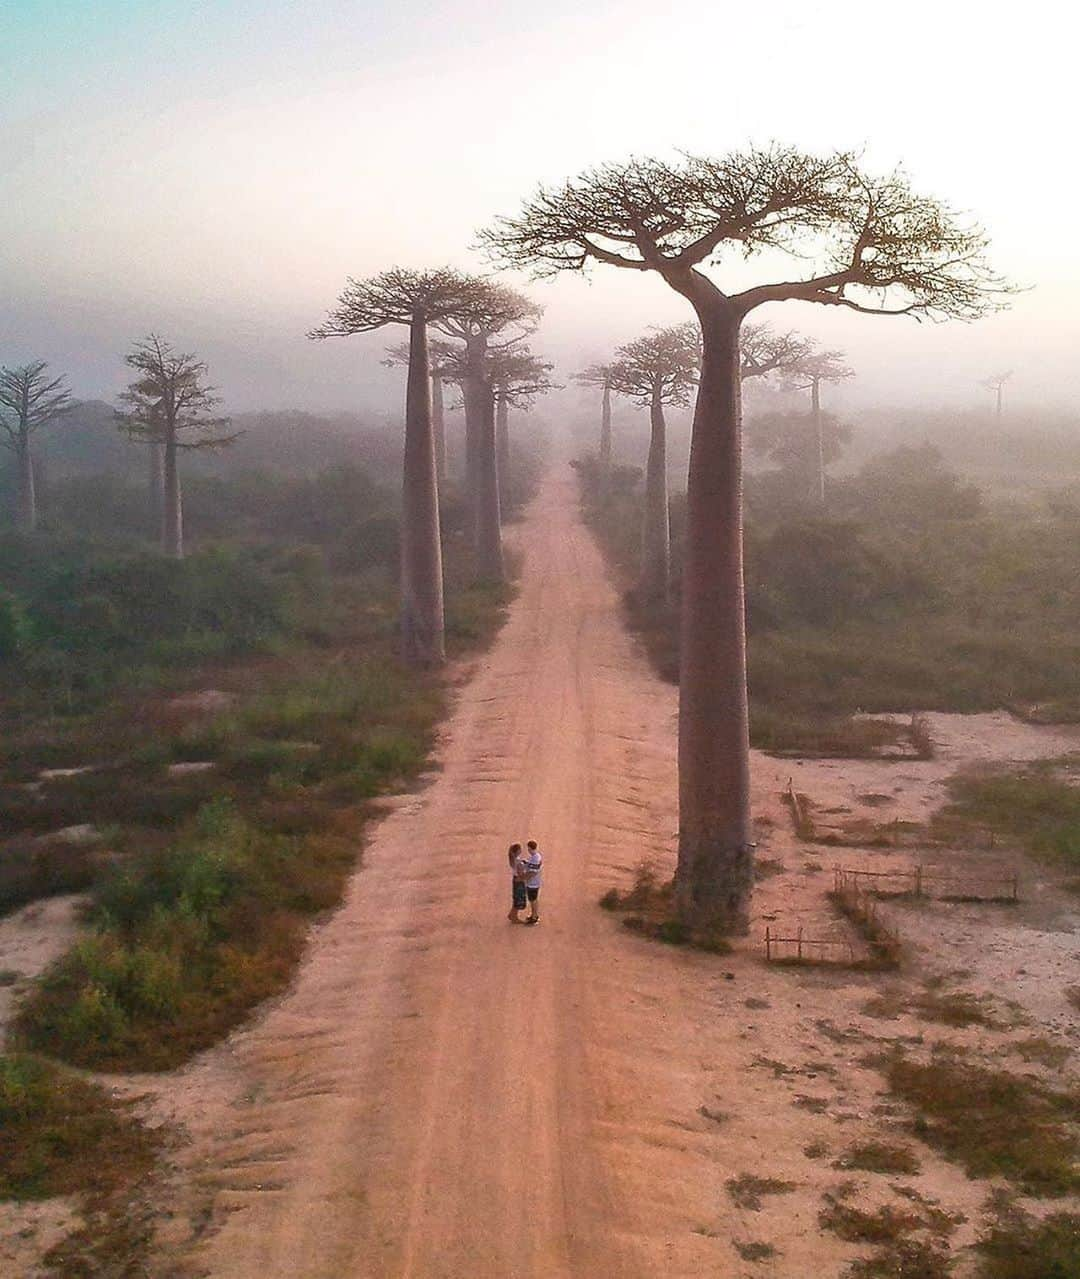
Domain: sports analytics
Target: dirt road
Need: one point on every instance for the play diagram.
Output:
(443, 1095)
(430, 1099)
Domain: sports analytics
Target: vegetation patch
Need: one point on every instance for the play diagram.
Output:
(991, 1122)
(754, 1250)
(63, 1134)
(1037, 808)
(748, 1191)
(1018, 1246)
(183, 944)
(935, 1003)
(904, 1259)
(879, 1156)
(648, 908)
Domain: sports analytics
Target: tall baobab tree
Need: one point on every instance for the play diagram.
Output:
(657, 369)
(862, 242)
(415, 299)
(996, 383)
(600, 375)
(517, 378)
(170, 405)
(807, 374)
(29, 400)
(496, 320)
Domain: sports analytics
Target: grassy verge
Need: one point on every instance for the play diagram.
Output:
(1037, 807)
(201, 908)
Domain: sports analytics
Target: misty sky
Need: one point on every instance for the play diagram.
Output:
(214, 170)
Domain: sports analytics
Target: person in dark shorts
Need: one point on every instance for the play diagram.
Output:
(517, 882)
(533, 862)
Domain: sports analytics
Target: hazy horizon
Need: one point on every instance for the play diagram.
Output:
(215, 174)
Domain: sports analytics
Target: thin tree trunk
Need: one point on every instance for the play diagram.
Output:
(489, 556)
(172, 514)
(422, 638)
(26, 514)
(438, 422)
(656, 535)
(715, 868)
(502, 437)
(157, 482)
(815, 408)
(605, 438)
(999, 390)
(474, 391)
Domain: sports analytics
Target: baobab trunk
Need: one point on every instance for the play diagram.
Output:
(438, 424)
(605, 437)
(715, 868)
(157, 482)
(489, 556)
(172, 511)
(422, 639)
(502, 437)
(656, 536)
(815, 407)
(474, 391)
(26, 515)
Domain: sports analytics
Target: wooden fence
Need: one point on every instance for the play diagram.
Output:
(919, 882)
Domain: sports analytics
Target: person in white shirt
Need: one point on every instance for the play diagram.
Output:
(534, 863)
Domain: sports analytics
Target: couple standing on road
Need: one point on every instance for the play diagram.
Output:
(525, 869)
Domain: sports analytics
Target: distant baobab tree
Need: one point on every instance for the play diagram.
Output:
(996, 383)
(415, 299)
(861, 242)
(517, 378)
(657, 369)
(29, 400)
(763, 352)
(170, 407)
(807, 374)
(497, 319)
(600, 375)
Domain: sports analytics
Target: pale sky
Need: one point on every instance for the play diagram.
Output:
(213, 171)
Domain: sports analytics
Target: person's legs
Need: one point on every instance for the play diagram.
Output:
(518, 902)
(534, 910)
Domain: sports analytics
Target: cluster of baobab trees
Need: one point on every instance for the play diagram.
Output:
(483, 349)
(662, 368)
(856, 240)
(168, 406)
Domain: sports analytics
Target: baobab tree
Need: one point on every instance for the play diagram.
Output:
(860, 242)
(807, 374)
(415, 299)
(170, 405)
(496, 320)
(657, 369)
(600, 375)
(29, 400)
(996, 383)
(517, 378)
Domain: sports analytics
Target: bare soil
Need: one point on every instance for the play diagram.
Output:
(444, 1094)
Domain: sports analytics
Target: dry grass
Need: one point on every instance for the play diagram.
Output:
(879, 1156)
(1017, 1246)
(991, 1122)
(747, 1190)
(648, 908)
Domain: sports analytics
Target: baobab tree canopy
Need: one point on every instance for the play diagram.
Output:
(818, 364)
(169, 401)
(762, 352)
(29, 399)
(663, 363)
(398, 296)
(875, 245)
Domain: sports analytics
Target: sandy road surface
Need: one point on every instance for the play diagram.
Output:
(429, 1099)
